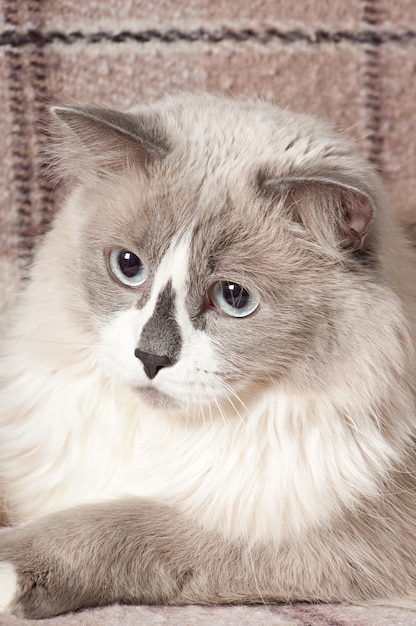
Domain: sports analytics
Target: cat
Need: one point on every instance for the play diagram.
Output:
(208, 389)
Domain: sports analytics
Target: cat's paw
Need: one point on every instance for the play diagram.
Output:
(24, 576)
(36, 578)
(9, 587)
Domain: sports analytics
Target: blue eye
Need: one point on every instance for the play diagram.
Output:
(127, 268)
(233, 299)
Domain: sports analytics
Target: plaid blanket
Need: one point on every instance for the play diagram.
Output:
(352, 62)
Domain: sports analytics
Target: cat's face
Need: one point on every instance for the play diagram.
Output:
(205, 280)
(214, 294)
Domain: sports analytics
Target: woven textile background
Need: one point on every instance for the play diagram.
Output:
(352, 62)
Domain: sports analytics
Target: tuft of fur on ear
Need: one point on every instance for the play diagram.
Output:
(332, 212)
(103, 141)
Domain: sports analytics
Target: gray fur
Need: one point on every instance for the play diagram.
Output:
(305, 229)
(161, 336)
(143, 552)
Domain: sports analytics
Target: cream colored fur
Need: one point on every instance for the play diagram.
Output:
(279, 430)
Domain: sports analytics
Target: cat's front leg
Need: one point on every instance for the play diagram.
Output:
(132, 551)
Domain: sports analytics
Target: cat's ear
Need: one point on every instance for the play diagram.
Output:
(92, 139)
(331, 211)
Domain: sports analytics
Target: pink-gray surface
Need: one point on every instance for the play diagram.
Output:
(295, 615)
(349, 61)
(353, 62)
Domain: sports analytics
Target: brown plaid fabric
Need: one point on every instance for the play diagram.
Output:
(352, 62)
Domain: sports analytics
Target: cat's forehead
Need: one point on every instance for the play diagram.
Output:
(218, 209)
(220, 224)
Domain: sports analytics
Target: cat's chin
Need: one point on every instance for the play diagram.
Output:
(156, 399)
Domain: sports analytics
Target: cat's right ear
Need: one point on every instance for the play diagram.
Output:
(104, 141)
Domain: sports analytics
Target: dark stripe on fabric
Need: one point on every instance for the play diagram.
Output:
(21, 160)
(27, 98)
(373, 84)
(40, 102)
(367, 36)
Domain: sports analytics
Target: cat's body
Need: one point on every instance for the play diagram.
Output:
(271, 434)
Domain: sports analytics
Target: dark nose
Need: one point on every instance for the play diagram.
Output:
(152, 363)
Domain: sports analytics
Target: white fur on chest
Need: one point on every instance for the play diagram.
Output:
(284, 466)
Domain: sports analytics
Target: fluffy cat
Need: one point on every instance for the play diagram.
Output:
(208, 389)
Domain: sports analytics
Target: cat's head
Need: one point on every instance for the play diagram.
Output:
(222, 246)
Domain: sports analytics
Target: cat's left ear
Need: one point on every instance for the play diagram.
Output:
(332, 212)
(106, 140)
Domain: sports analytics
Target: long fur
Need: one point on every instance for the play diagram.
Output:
(286, 436)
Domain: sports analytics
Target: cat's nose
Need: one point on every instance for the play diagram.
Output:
(152, 363)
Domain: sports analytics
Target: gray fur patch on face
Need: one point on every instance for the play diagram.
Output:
(161, 334)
